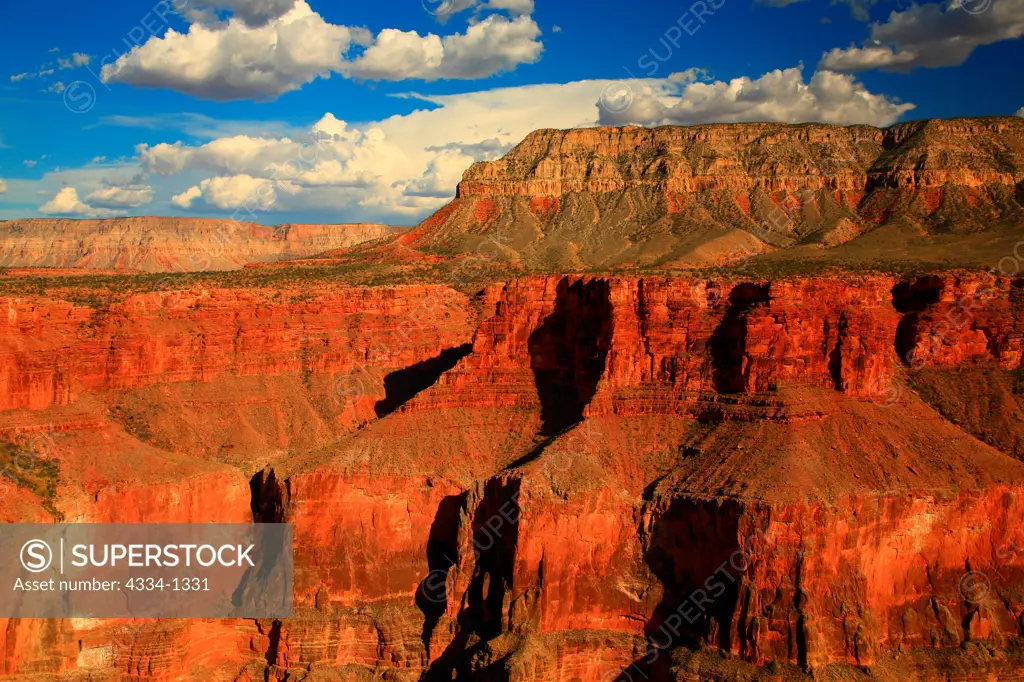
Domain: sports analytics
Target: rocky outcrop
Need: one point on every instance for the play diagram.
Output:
(169, 244)
(610, 478)
(710, 193)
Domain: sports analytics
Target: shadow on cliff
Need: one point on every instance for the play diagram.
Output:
(402, 385)
(442, 553)
(912, 299)
(728, 343)
(692, 550)
(568, 354)
(835, 357)
(267, 497)
(268, 501)
(482, 614)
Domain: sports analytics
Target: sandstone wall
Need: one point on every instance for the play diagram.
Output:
(606, 459)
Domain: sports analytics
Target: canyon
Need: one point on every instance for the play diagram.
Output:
(544, 480)
(639, 472)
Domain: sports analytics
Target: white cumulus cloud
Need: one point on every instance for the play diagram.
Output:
(780, 95)
(930, 36)
(253, 12)
(66, 203)
(513, 6)
(488, 47)
(442, 174)
(230, 192)
(185, 199)
(236, 61)
(132, 196)
(442, 9)
(242, 58)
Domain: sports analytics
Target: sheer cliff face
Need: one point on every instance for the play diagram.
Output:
(169, 244)
(562, 478)
(694, 195)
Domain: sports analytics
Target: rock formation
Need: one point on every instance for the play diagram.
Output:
(608, 474)
(602, 197)
(169, 244)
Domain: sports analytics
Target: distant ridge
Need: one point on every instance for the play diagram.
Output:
(170, 244)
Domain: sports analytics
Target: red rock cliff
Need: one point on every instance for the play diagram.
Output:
(615, 474)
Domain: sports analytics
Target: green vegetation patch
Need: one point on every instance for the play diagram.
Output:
(31, 471)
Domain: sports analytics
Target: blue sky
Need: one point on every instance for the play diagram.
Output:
(315, 111)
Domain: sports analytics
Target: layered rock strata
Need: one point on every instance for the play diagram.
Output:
(686, 196)
(169, 244)
(610, 478)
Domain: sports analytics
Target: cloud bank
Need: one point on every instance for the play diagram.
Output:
(780, 95)
(931, 36)
(274, 47)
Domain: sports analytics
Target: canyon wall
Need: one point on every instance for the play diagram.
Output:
(54, 351)
(165, 395)
(565, 477)
(169, 244)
